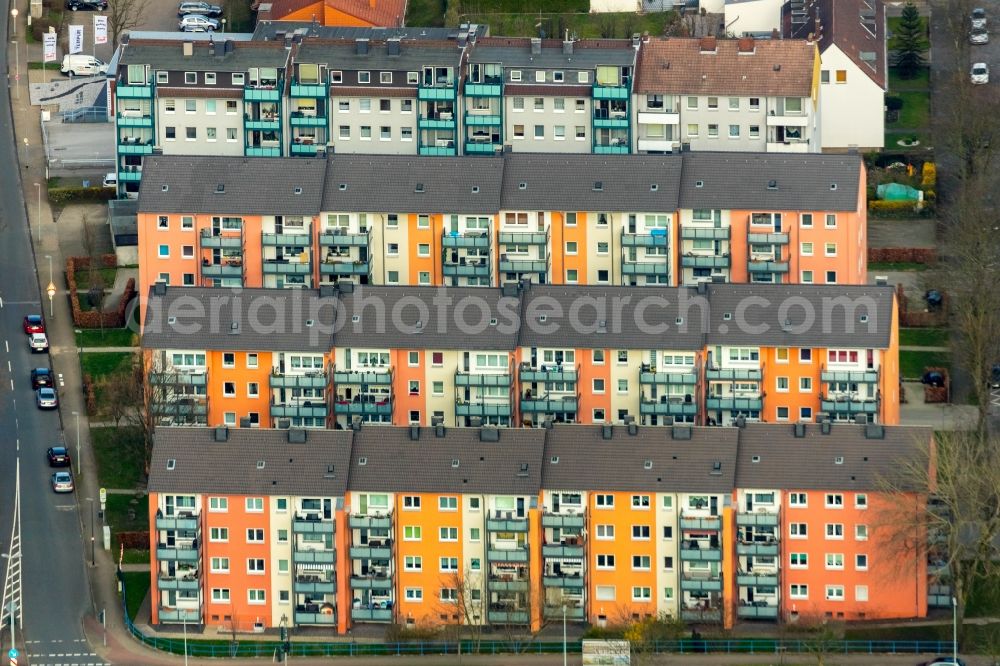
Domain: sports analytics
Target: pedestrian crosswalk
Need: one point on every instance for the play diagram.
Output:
(74, 652)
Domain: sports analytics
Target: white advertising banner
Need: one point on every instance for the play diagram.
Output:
(76, 39)
(100, 29)
(49, 47)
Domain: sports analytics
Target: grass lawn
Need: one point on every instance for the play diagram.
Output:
(119, 457)
(614, 24)
(920, 81)
(978, 637)
(101, 364)
(924, 337)
(109, 337)
(912, 363)
(83, 278)
(425, 13)
(136, 588)
(117, 513)
(237, 14)
(923, 136)
(896, 266)
(916, 111)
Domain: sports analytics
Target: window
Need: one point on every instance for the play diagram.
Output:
(218, 504)
(831, 277)
(475, 534)
(668, 563)
(604, 501)
(805, 355)
(598, 386)
(255, 535)
(805, 384)
(448, 564)
(282, 536)
(411, 502)
(834, 561)
(412, 533)
(605, 592)
(834, 592)
(606, 562)
(713, 131)
(622, 387)
(831, 220)
(539, 131)
(191, 133)
(169, 106)
(220, 595)
(834, 501)
(834, 531)
(641, 594)
(824, 76)
(734, 131)
(861, 562)
(841, 75)
(805, 413)
(254, 504)
(229, 360)
(806, 249)
(366, 132)
(414, 594)
(830, 249)
(861, 533)
(474, 503)
(447, 504)
(190, 106)
(781, 384)
(413, 563)
(807, 277)
(605, 532)
(219, 565)
(640, 533)
(798, 591)
(581, 132)
(754, 132)
(692, 130)
(782, 413)
(539, 104)
(255, 566)
(218, 534)
(713, 103)
(414, 386)
(163, 251)
(799, 560)
(449, 595)
(475, 564)
(640, 501)
(754, 103)
(448, 534)
(253, 389)
(860, 501)
(798, 531)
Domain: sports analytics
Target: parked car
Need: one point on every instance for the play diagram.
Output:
(90, 5)
(62, 482)
(978, 18)
(41, 377)
(203, 8)
(58, 456)
(45, 398)
(37, 342)
(980, 73)
(197, 23)
(944, 661)
(34, 324)
(82, 65)
(979, 36)
(110, 180)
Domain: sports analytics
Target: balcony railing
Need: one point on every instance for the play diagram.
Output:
(178, 378)
(371, 583)
(357, 521)
(645, 267)
(689, 232)
(767, 266)
(370, 552)
(164, 582)
(758, 612)
(700, 583)
(181, 407)
(849, 406)
(262, 93)
(556, 612)
(701, 554)
(382, 407)
(705, 261)
(707, 523)
(312, 381)
(441, 90)
(298, 119)
(563, 521)
(515, 554)
(478, 269)
(570, 582)
(227, 242)
(853, 377)
(315, 90)
(505, 584)
(302, 617)
(483, 408)
(667, 407)
(487, 89)
(308, 525)
(285, 267)
(315, 556)
(757, 579)
(701, 614)
(523, 266)
(657, 238)
(189, 615)
(734, 374)
(366, 377)
(371, 614)
(224, 270)
(649, 377)
(350, 267)
(549, 405)
(767, 548)
(309, 585)
(286, 240)
(177, 523)
(524, 238)
(610, 92)
(340, 238)
(737, 404)
(468, 240)
(316, 410)
(759, 519)
(507, 617)
(466, 378)
(767, 238)
(506, 521)
(549, 373)
(178, 554)
(562, 550)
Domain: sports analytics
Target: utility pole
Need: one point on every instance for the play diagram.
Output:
(11, 607)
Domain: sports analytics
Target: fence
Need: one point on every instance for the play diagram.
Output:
(259, 648)
(86, 114)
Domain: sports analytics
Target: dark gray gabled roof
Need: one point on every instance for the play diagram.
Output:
(342, 54)
(408, 184)
(190, 460)
(231, 185)
(771, 456)
(641, 183)
(269, 30)
(634, 317)
(458, 462)
(515, 52)
(207, 55)
(449, 318)
(223, 319)
(743, 180)
(680, 459)
(814, 315)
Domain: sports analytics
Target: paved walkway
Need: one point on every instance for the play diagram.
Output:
(917, 348)
(116, 350)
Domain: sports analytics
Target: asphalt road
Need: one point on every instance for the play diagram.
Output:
(55, 591)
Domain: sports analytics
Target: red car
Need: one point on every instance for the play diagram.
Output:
(34, 324)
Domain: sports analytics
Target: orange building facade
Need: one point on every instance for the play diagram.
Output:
(507, 527)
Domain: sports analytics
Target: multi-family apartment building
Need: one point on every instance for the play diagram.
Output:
(415, 526)
(525, 355)
(725, 94)
(552, 219)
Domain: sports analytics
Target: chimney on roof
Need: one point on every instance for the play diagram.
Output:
(567, 45)
(680, 432)
(702, 287)
(881, 280)
(297, 435)
(489, 434)
(475, 421)
(536, 46)
(160, 289)
(228, 46)
(439, 430)
(245, 422)
(636, 40)
(741, 421)
(361, 46)
(356, 424)
(707, 45)
(211, 45)
(221, 434)
(825, 427)
(861, 419)
(188, 49)
(873, 431)
(799, 430)
(633, 429)
(414, 433)
(718, 279)
(746, 45)
(606, 432)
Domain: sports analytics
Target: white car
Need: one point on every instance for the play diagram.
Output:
(197, 23)
(980, 73)
(37, 342)
(979, 18)
(979, 36)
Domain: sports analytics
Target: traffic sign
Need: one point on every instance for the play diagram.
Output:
(12, 653)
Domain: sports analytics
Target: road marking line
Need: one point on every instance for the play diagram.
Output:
(11, 381)
(9, 369)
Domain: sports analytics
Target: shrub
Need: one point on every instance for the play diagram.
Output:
(883, 208)
(134, 540)
(64, 195)
(893, 103)
(928, 176)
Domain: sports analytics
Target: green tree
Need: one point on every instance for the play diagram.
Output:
(910, 42)
(452, 16)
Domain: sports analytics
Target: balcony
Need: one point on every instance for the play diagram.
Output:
(767, 266)
(757, 612)
(667, 407)
(505, 521)
(769, 238)
(657, 238)
(383, 407)
(311, 90)
(213, 241)
(486, 147)
(359, 521)
(370, 552)
(164, 582)
(854, 377)
(523, 266)
(492, 89)
(475, 379)
(705, 261)
(788, 146)
(342, 238)
(646, 267)
(507, 617)
(734, 404)
(757, 580)
(704, 233)
(224, 270)
(549, 405)
(467, 241)
(573, 612)
(177, 523)
(303, 410)
(524, 238)
(701, 555)
(659, 116)
(482, 408)
(131, 91)
(445, 121)
(307, 525)
(567, 582)
(307, 149)
(610, 92)
(302, 617)
(135, 148)
(262, 93)
(371, 583)
(442, 90)
(478, 269)
(649, 378)
(299, 119)
(612, 120)
(177, 554)
(515, 554)
(312, 381)
(847, 405)
(701, 614)
(939, 596)
(562, 550)
(445, 148)
(563, 521)
(266, 124)
(549, 373)
(734, 374)
(701, 523)
(657, 145)
(355, 267)
(315, 556)
(482, 120)
(262, 151)
(371, 614)
(286, 240)
(189, 615)
(313, 585)
(691, 582)
(130, 174)
(761, 518)
(178, 378)
(505, 584)
(181, 407)
(612, 149)
(285, 267)
(768, 548)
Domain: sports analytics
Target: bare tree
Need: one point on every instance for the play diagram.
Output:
(823, 638)
(124, 15)
(644, 634)
(469, 606)
(958, 529)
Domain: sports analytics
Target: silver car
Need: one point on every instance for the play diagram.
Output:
(45, 398)
(37, 342)
(979, 36)
(62, 482)
(197, 7)
(197, 23)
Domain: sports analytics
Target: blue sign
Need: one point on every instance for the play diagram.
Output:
(12, 653)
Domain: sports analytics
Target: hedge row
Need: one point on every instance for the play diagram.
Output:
(900, 255)
(134, 540)
(65, 195)
(93, 318)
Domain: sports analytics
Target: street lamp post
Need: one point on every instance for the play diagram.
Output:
(51, 290)
(954, 629)
(13, 23)
(17, 70)
(93, 539)
(38, 187)
(77, 415)
(564, 634)
(184, 620)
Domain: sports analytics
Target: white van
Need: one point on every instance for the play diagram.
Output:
(82, 65)
(111, 180)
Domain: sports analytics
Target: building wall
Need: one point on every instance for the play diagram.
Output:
(599, 6)
(353, 118)
(548, 117)
(200, 120)
(853, 113)
(761, 16)
(889, 377)
(787, 364)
